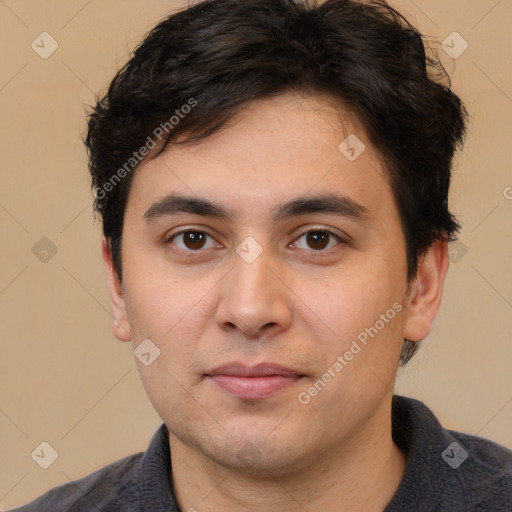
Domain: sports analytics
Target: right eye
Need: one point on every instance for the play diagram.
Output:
(191, 240)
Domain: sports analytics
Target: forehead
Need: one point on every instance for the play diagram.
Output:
(273, 151)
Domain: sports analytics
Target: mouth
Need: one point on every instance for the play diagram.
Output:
(253, 382)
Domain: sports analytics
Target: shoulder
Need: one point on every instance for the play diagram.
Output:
(112, 488)
(483, 469)
(448, 470)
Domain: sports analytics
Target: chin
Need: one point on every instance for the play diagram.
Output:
(254, 446)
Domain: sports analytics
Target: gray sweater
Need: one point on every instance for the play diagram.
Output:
(446, 471)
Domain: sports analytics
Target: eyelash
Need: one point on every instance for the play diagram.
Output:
(311, 230)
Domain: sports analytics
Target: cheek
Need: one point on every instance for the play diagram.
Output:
(347, 304)
(158, 304)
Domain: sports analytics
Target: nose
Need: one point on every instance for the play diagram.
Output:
(254, 300)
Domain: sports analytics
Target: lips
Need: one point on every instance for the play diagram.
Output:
(253, 382)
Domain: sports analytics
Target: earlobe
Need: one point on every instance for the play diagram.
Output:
(120, 332)
(426, 293)
(121, 326)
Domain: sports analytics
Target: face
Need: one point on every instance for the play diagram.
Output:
(267, 266)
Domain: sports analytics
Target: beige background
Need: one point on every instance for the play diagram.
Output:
(67, 381)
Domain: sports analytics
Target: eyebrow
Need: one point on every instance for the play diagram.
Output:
(174, 204)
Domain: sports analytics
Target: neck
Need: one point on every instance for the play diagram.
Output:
(362, 474)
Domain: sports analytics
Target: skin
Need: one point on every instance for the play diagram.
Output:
(299, 304)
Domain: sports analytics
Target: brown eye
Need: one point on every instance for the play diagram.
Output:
(319, 239)
(194, 239)
(191, 240)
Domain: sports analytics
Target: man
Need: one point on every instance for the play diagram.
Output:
(272, 180)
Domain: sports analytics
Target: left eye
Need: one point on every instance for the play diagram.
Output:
(319, 239)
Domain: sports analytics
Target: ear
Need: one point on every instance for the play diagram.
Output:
(425, 295)
(121, 326)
